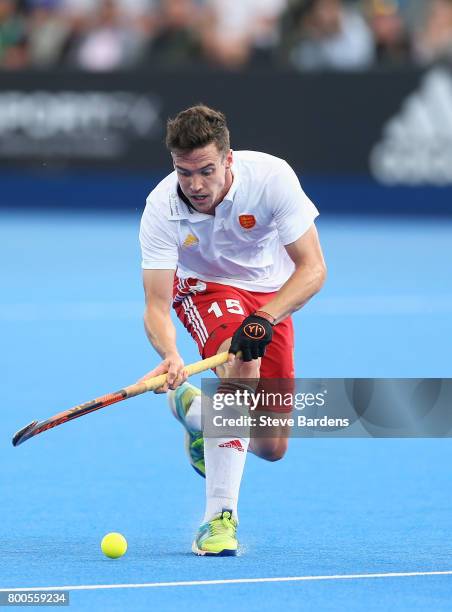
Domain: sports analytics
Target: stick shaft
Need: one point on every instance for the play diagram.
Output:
(194, 368)
(35, 428)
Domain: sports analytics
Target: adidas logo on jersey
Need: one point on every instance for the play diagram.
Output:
(233, 444)
(190, 240)
(416, 146)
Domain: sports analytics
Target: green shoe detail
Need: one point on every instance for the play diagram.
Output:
(194, 447)
(217, 538)
(180, 401)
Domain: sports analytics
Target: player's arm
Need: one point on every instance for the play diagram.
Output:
(306, 280)
(293, 213)
(160, 330)
(158, 287)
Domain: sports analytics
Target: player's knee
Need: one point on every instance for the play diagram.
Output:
(273, 454)
(273, 450)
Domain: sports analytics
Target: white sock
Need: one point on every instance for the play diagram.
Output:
(225, 462)
(193, 416)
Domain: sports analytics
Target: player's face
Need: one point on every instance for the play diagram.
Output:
(204, 176)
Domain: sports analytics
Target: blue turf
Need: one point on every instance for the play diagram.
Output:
(71, 310)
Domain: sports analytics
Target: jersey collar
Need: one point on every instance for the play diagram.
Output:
(179, 208)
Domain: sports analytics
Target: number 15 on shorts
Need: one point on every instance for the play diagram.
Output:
(232, 306)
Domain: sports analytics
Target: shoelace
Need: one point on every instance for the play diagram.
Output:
(222, 524)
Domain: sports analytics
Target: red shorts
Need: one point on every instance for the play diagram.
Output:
(212, 312)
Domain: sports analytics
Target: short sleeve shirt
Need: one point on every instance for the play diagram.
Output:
(242, 244)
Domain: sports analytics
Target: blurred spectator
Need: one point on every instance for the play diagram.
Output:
(142, 15)
(49, 32)
(234, 31)
(413, 12)
(139, 13)
(326, 34)
(434, 41)
(109, 42)
(232, 34)
(392, 41)
(13, 53)
(177, 40)
(88, 8)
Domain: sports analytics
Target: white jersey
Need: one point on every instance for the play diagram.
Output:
(242, 245)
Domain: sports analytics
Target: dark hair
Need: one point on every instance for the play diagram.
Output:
(196, 127)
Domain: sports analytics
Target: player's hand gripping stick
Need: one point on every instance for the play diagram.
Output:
(252, 336)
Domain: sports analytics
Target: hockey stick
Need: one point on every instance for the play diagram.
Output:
(36, 427)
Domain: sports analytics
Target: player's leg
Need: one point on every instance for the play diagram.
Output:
(185, 404)
(192, 300)
(199, 314)
(277, 371)
(224, 457)
(211, 316)
(205, 310)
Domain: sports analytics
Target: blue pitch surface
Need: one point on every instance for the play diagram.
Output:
(71, 310)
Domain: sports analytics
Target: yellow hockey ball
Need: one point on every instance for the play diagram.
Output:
(114, 545)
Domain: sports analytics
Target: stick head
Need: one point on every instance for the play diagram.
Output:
(21, 435)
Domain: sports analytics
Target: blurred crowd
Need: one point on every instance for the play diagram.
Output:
(105, 35)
